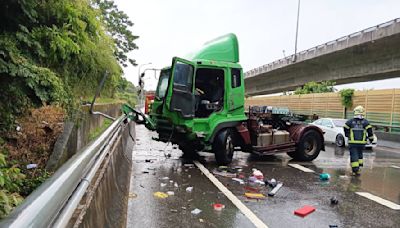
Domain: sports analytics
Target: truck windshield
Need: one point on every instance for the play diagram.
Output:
(162, 84)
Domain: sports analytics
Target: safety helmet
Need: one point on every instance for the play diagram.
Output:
(359, 110)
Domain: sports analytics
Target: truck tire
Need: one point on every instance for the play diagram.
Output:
(309, 146)
(223, 147)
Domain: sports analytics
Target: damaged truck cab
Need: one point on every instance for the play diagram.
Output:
(199, 104)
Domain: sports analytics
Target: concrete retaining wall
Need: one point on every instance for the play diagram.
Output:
(76, 133)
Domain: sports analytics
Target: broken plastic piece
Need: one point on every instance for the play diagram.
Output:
(258, 174)
(276, 189)
(170, 193)
(324, 176)
(160, 195)
(334, 200)
(238, 180)
(31, 166)
(224, 173)
(196, 211)
(174, 210)
(251, 195)
(176, 185)
(163, 184)
(189, 189)
(218, 206)
(304, 211)
(164, 178)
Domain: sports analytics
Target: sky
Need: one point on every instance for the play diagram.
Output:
(265, 29)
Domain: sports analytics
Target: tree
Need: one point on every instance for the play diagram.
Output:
(316, 87)
(118, 25)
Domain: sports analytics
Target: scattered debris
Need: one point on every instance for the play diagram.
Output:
(170, 193)
(196, 211)
(333, 226)
(218, 206)
(225, 171)
(189, 176)
(18, 128)
(188, 165)
(272, 183)
(276, 189)
(304, 211)
(324, 176)
(251, 189)
(201, 220)
(254, 181)
(145, 172)
(334, 200)
(189, 189)
(171, 181)
(132, 195)
(344, 177)
(173, 210)
(160, 195)
(238, 180)
(31, 166)
(164, 178)
(176, 185)
(252, 195)
(148, 161)
(183, 208)
(151, 168)
(258, 174)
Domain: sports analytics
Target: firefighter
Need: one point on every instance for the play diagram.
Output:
(357, 130)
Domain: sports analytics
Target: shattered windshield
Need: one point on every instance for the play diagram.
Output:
(162, 84)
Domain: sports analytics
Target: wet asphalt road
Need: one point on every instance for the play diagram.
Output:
(379, 177)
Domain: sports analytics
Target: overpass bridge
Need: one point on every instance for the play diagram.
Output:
(367, 55)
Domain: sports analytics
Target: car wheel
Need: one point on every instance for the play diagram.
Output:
(223, 147)
(340, 142)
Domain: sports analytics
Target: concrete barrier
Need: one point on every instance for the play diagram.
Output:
(76, 133)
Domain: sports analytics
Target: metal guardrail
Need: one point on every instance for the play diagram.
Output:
(365, 35)
(53, 203)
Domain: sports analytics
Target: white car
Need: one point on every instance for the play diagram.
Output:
(334, 132)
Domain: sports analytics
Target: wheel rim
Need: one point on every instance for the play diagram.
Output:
(310, 146)
(229, 146)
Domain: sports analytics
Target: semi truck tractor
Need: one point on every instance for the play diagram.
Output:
(199, 104)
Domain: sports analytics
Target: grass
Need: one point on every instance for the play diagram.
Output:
(97, 131)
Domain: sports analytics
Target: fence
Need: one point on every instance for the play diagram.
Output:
(382, 106)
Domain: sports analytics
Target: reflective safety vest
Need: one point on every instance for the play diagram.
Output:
(357, 130)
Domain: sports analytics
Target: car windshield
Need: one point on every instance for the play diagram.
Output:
(339, 122)
(162, 84)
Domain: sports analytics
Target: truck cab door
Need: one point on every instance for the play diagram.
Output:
(182, 96)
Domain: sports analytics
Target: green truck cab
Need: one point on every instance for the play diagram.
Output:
(199, 105)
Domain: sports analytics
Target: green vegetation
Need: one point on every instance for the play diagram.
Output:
(316, 87)
(347, 97)
(10, 182)
(96, 132)
(52, 53)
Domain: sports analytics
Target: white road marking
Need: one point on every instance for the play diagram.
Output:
(379, 200)
(302, 168)
(245, 210)
(395, 166)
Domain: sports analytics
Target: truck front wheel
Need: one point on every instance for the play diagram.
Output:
(223, 147)
(309, 146)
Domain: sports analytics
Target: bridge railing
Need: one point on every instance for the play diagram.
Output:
(365, 35)
(53, 203)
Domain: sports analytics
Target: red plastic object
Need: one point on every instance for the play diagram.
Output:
(304, 211)
(218, 206)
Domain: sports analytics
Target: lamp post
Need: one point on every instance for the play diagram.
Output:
(141, 89)
(297, 32)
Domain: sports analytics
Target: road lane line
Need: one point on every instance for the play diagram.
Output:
(395, 166)
(245, 210)
(379, 200)
(302, 168)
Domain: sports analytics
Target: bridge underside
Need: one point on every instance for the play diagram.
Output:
(374, 60)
